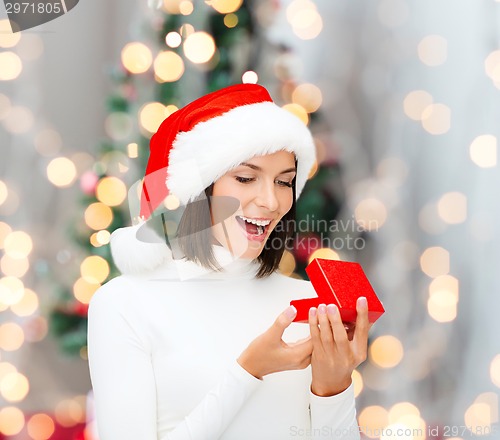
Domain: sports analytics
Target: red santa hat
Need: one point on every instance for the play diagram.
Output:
(200, 142)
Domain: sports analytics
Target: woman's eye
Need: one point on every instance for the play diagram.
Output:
(283, 183)
(244, 179)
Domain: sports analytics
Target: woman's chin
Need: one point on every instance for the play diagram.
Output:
(251, 253)
(240, 244)
(246, 249)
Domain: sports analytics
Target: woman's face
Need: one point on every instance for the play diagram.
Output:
(263, 186)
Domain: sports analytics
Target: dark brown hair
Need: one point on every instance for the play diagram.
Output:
(198, 246)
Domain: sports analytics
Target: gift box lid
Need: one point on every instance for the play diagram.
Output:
(340, 283)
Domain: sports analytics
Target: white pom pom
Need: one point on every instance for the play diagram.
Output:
(133, 255)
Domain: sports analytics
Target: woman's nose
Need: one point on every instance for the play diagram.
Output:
(267, 198)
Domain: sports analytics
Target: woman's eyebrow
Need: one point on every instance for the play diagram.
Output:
(257, 168)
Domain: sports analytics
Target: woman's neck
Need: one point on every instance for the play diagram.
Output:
(231, 267)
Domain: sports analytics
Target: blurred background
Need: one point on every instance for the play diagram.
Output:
(403, 99)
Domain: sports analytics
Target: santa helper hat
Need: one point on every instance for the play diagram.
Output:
(197, 145)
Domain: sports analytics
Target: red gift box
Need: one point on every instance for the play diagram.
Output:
(340, 283)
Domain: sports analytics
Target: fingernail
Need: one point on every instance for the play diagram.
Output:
(362, 301)
(290, 312)
(312, 311)
(332, 309)
(322, 309)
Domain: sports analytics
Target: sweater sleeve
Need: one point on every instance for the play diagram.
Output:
(214, 413)
(124, 384)
(334, 417)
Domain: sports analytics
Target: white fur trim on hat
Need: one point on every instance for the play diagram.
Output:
(205, 153)
(133, 255)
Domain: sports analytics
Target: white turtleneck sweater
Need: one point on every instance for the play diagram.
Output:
(162, 353)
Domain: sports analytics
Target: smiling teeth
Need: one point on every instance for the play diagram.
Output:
(256, 222)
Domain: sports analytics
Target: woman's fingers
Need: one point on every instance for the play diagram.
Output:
(326, 330)
(338, 329)
(334, 355)
(282, 322)
(314, 329)
(329, 334)
(300, 353)
(301, 341)
(360, 339)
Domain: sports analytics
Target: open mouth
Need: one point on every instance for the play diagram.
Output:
(253, 227)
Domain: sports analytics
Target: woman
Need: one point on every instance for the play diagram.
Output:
(195, 339)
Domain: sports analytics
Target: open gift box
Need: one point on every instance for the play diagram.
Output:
(340, 283)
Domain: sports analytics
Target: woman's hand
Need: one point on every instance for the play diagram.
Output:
(268, 353)
(334, 356)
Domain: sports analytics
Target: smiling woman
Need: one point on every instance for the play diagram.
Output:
(264, 187)
(202, 346)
